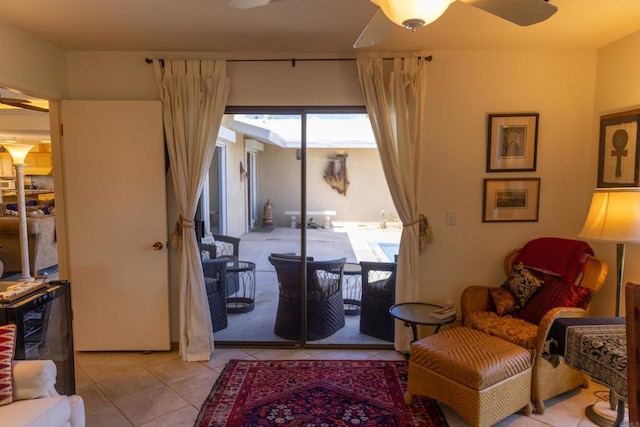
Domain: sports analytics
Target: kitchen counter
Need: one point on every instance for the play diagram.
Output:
(40, 194)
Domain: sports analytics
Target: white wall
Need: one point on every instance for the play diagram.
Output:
(463, 88)
(617, 90)
(30, 64)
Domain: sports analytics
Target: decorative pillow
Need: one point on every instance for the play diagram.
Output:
(522, 284)
(552, 295)
(504, 301)
(7, 350)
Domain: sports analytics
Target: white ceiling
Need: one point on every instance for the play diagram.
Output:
(300, 28)
(303, 26)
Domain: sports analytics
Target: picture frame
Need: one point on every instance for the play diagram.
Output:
(619, 149)
(512, 142)
(511, 200)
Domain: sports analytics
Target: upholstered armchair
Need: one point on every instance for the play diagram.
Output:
(325, 307)
(378, 294)
(36, 401)
(484, 308)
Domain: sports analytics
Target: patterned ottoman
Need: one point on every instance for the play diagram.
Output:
(481, 377)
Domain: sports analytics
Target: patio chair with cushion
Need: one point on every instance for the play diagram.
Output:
(215, 282)
(548, 278)
(378, 294)
(221, 246)
(325, 309)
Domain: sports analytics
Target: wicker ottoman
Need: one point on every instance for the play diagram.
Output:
(483, 378)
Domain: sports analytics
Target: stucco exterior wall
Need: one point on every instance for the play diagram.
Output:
(280, 183)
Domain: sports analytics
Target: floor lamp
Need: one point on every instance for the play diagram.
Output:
(614, 216)
(18, 153)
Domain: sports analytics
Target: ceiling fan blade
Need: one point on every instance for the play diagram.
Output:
(12, 99)
(521, 12)
(248, 4)
(12, 102)
(375, 32)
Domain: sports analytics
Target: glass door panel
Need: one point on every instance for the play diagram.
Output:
(316, 180)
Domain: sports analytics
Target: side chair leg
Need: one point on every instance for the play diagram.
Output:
(539, 407)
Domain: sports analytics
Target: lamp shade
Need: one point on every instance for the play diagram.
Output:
(614, 216)
(413, 14)
(18, 151)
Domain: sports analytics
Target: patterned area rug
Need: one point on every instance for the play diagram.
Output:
(315, 393)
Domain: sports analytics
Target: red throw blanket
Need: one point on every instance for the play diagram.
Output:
(563, 257)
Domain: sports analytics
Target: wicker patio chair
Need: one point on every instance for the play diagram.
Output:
(325, 309)
(378, 294)
(215, 282)
(221, 246)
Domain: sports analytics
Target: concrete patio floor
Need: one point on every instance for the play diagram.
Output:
(354, 241)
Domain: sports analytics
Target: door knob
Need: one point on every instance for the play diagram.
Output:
(157, 246)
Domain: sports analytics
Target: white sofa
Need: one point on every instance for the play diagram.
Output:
(36, 403)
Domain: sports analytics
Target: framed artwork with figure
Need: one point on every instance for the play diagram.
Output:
(619, 153)
(512, 142)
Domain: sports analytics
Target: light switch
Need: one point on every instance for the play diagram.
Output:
(451, 218)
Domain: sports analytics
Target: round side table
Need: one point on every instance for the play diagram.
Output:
(419, 313)
(352, 288)
(244, 274)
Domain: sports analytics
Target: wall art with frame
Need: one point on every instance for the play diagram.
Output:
(619, 152)
(512, 142)
(511, 200)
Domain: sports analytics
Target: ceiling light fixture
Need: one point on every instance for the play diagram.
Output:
(413, 14)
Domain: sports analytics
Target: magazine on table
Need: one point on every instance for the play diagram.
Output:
(444, 312)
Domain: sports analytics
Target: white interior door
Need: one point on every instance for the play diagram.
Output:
(114, 181)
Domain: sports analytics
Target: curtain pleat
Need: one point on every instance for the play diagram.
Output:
(194, 96)
(395, 100)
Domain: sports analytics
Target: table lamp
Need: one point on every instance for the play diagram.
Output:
(614, 216)
(18, 153)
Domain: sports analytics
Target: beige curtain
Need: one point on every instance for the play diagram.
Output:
(194, 95)
(394, 94)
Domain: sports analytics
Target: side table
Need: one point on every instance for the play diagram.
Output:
(419, 313)
(352, 288)
(244, 274)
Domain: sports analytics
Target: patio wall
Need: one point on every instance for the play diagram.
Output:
(366, 196)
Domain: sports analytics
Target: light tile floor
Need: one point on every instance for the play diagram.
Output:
(123, 389)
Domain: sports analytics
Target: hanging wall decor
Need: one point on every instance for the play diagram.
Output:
(619, 153)
(335, 174)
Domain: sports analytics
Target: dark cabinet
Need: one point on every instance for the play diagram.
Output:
(43, 321)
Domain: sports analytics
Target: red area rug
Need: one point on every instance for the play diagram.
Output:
(315, 393)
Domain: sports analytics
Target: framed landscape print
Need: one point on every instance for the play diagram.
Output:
(511, 199)
(512, 142)
(619, 154)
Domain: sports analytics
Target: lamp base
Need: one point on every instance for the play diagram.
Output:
(26, 279)
(602, 414)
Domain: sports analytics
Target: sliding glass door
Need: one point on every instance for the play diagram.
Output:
(306, 197)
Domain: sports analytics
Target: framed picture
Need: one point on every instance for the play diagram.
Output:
(511, 199)
(619, 154)
(512, 142)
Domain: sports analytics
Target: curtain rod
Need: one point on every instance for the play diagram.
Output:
(292, 60)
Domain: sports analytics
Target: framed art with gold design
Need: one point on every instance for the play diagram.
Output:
(512, 142)
(619, 153)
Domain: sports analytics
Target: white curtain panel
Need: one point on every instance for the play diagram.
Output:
(394, 93)
(194, 95)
